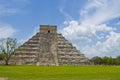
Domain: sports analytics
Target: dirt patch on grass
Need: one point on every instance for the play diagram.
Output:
(3, 78)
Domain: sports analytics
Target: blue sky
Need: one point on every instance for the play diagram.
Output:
(93, 26)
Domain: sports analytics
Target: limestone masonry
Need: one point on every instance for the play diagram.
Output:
(48, 47)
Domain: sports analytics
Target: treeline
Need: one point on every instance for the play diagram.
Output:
(105, 60)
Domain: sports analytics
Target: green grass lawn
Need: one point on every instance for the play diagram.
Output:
(60, 73)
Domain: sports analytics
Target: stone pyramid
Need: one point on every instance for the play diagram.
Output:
(48, 47)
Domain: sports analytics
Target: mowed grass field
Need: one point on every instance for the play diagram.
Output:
(60, 72)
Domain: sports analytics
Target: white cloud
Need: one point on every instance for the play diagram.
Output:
(93, 36)
(9, 7)
(6, 10)
(61, 9)
(12, 7)
(6, 31)
(110, 47)
(99, 11)
(75, 32)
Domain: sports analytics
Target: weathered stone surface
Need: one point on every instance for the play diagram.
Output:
(48, 47)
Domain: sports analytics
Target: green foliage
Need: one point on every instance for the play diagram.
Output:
(1, 57)
(7, 48)
(60, 72)
(118, 60)
(105, 60)
(96, 60)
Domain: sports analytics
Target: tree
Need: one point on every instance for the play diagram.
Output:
(96, 60)
(105, 60)
(7, 48)
(118, 60)
(1, 58)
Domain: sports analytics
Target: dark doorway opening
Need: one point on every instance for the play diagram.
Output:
(48, 31)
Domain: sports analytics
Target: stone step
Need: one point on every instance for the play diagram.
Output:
(34, 40)
(29, 48)
(26, 56)
(26, 52)
(62, 41)
(65, 50)
(30, 45)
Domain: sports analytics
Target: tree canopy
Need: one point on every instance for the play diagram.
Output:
(7, 48)
(105, 60)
